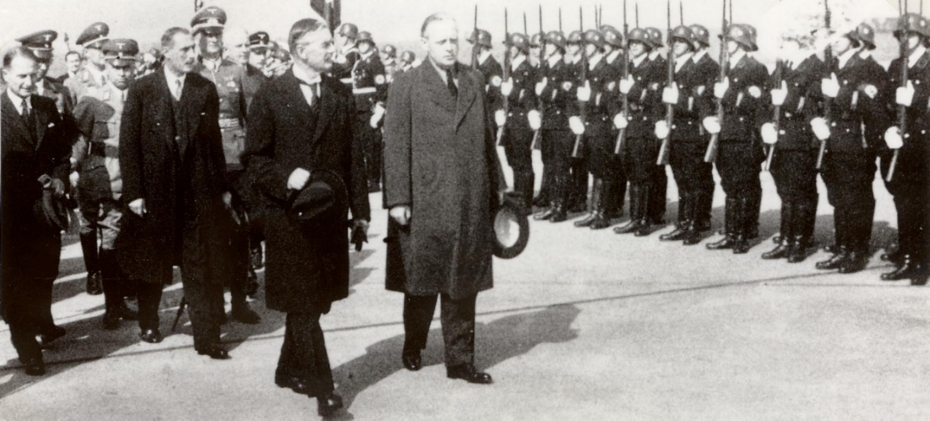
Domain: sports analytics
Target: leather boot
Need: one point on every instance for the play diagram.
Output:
(731, 211)
(703, 203)
(858, 260)
(555, 192)
(109, 272)
(92, 262)
(645, 204)
(751, 216)
(838, 259)
(636, 211)
(683, 227)
(798, 252)
(601, 220)
(528, 191)
(578, 187)
(560, 190)
(745, 226)
(907, 270)
(589, 219)
(786, 240)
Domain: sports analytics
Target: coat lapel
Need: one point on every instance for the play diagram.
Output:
(438, 91)
(42, 119)
(467, 94)
(328, 105)
(166, 110)
(11, 117)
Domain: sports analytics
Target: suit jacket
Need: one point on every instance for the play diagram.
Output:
(179, 171)
(284, 134)
(29, 249)
(440, 159)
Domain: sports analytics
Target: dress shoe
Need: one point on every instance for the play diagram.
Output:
(601, 221)
(779, 252)
(857, 261)
(328, 405)
(921, 278)
(644, 230)
(907, 270)
(631, 226)
(468, 373)
(560, 215)
(586, 221)
(49, 335)
(294, 383)
(545, 215)
(34, 366)
(680, 232)
(94, 283)
(152, 336)
(242, 313)
(741, 246)
(798, 253)
(835, 261)
(111, 320)
(214, 351)
(726, 243)
(411, 360)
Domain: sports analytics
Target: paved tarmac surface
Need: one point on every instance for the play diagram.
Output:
(583, 325)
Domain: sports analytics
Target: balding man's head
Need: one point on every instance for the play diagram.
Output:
(440, 38)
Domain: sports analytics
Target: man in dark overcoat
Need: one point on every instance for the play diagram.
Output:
(35, 144)
(300, 123)
(442, 182)
(174, 182)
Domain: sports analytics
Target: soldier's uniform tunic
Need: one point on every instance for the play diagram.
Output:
(369, 85)
(518, 136)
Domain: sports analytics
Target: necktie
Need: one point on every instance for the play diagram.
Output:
(450, 81)
(27, 118)
(310, 92)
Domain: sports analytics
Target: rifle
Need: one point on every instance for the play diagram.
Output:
(67, 44)
(669, 108)
(474, 50)
(542, 63)
(525, 31)
(576, 150)
(560, 19)
(828, 102)
(621, 136)
(637, 14)
(711, 154)
(779, 69)
(902, 110)
(505, 102)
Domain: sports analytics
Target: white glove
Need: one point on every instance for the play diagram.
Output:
(376, 116)
(712, 124)
(584, 92)
(137, 207)
(769, 135)
(400, 214)
(670, 94)
(576, 125)
(298, 179)
(905, 96)
(626, 84)
(507, 87)
(661, 129)
(779, 95)
(721, 88)
(74, 177)
(830, 87)
(893, 138)
(620, 121)
(500, 117)
(534, 119)
(821, 130)
(541, 86)
(871, 91)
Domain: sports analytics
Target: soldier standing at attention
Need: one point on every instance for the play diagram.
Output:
(207, 26)
(369, 85)
(406, 61)
(613, 56)
(555, 91)
(740, 148)
(99, 181)
(389, 60)
(517, 140)
(578, 199)
(346, 52)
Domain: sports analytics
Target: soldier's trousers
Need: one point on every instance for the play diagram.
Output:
(303, 353)
(458, 325)
(559, 144)
(909, 187)
(694, 178)
(795, 175)
(739, 168)
(848, 177)
(370, 139)
(640, 164)
(237, 257)
(517, 142)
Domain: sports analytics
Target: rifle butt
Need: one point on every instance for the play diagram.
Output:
(768, 158)
(576, 150)
(711, 154)
(621, 138)
(891, 167)
(663, 153)
(820, 154)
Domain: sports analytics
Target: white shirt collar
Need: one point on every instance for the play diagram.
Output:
(594, 60)
(212, 64)
(389, 62)
(555, 58)
(17, 100)
(365, 56)
(174, 78)
(483, 56)
(736, 57)
(915, 56)
(639, 60)
(653, 55)
(697, 56)
(680, 61)
(844, 59)
(517, 62)
(121, 92)
(865, 54)
(613, 56)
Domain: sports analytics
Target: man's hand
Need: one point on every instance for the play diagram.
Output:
(779, 95)
(541, 86)
(400, 214)
(359, 233)
(670, 94)
(584, 92)
(905, 96)
(535, 119)
(721, 88)
(74, 178)
(626, 85)
(507, 87)
(830, 87)
(138, 207)
(227, 200)
(298, 179)
(58, 187)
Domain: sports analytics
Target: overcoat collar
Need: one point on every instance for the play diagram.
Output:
(439, 92)
(328, 103)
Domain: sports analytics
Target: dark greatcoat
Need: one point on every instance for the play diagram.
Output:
(440, 159)
(285, 133)
(149, 149)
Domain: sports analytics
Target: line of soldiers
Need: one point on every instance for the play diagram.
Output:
(580, 113)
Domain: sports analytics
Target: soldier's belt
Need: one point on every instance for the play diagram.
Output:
(102, 149)
(347, 81)
(230, 123)
(364, 91)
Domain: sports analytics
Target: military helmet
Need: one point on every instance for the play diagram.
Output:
(94, 36)
(365, 36)
(594, 37)
(866, 35)
(742, 35)
(483, 37)
(604, 28)
(913, 22)
(575, 37)
(520, 41)
(348, 30)
(682, 33)
(536, 40)
(556, 38)
(408, 56)
(40, 43)
(612, 36)
(700, 34)
(390, 50)
(639, 35)
(655, 37)
(853, 38)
